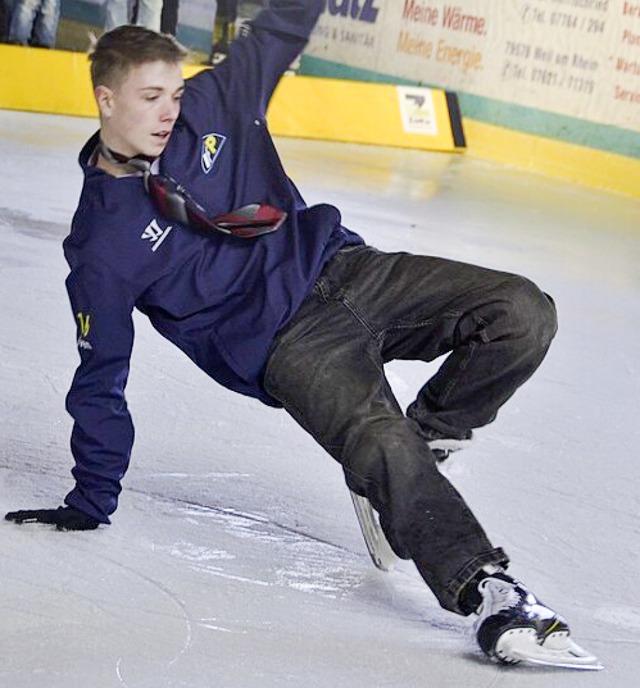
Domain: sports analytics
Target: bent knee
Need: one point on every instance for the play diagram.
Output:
(531, 313)
(380, 446)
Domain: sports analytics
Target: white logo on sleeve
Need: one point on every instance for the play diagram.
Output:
(155, 234)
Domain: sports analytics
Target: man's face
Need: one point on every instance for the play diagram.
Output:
(138, 115)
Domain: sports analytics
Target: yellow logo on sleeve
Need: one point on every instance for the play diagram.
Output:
(84, 321)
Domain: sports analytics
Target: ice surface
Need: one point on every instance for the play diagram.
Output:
(235, 559)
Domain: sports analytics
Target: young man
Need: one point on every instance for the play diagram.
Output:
(187, 215)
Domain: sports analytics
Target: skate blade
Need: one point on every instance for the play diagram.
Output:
(557, 650)
(379, 549)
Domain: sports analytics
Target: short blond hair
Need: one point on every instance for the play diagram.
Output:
(117, 51)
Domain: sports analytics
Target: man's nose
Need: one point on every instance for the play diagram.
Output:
(171, 111)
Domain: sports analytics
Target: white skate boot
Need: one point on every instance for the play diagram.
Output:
(513, 626)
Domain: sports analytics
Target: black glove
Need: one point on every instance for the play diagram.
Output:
(64, 518)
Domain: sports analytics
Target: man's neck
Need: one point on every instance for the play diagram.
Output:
(115, 163)
(118, 170)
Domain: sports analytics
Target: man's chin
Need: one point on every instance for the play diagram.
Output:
(157, 145)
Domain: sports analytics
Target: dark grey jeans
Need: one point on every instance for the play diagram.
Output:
(326, 368)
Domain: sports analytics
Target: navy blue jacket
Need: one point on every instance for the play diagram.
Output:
(220, 299)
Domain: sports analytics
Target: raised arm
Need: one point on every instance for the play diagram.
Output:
(257, 61)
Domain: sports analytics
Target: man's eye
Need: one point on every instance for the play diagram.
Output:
(151, 97)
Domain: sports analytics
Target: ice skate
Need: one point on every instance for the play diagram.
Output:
(513, 626)
(379, 549)
(442, 445)
(382, 556)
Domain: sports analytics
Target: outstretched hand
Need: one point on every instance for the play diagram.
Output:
(64, 518)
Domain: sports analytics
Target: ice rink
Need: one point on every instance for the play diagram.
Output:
(235, 559)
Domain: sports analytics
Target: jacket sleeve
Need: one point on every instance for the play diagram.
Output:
(102, 435)
(257, 61)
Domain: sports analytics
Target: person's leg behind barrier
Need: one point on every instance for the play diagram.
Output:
(150, 14)
(116, 13)
(45, 29)
(23, 16)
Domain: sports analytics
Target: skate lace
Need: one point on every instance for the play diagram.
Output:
(497, 596)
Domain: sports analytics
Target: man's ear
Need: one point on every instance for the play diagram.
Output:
(105, 100)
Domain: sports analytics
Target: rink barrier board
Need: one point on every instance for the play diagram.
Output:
(554, 159)
(499, 112)
(57, 82)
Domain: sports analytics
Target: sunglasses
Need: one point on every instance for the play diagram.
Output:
(175, 202)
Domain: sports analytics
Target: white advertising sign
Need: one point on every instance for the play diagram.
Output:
(579, 58)
(417, 110)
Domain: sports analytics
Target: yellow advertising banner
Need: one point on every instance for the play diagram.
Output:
(408, 117)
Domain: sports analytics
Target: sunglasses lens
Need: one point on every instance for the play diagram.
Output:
(198, 217)
(174, 202)
(252, 220)
(169, 200)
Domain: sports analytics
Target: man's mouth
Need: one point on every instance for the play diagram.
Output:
(161, 136)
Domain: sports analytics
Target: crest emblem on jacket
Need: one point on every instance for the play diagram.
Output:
(211, 147)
